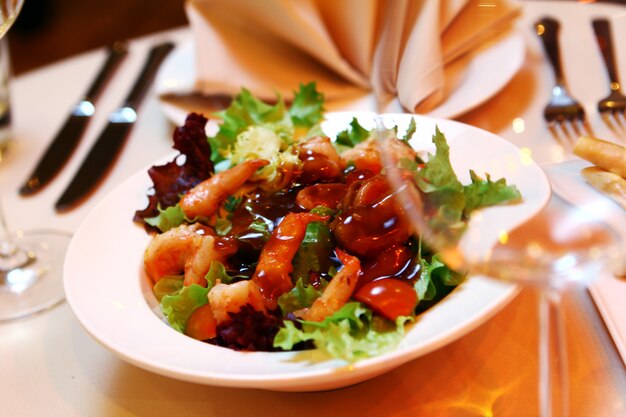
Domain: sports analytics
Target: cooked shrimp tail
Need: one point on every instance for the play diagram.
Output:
(366, 155)
(338, 291)
(320, 160)
(205, 198)
(230, 298)
(187, 249)
(273, 270)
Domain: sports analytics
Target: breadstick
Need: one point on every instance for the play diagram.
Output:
(612, 185)
(606, 155)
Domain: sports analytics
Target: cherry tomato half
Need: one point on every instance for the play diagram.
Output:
(389, 297)
(201, 324)
(388, 263)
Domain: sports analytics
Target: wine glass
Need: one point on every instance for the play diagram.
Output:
(561, 244)
(9, 10)
(31, 262)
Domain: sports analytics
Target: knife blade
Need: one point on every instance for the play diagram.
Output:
(102, 155)
(67, 138)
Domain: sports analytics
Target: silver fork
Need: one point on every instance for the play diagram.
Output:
(562, 109)
(615, 103)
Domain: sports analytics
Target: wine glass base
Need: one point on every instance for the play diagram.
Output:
(37, 285)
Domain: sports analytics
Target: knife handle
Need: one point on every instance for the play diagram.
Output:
(156, 56)
(117, 52)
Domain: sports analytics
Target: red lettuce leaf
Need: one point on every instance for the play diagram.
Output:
(172, 180)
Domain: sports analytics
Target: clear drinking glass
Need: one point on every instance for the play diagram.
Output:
(564, 243)
(5, 108)
(31, 262)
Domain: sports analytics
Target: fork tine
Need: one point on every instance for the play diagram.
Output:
(570, 133)
(561, 134)
(618, 120)
(621, 124)
(613, 122)
(587, 127)
(575, 126)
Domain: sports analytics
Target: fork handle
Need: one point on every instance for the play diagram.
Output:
(602, 31)
(548, 31)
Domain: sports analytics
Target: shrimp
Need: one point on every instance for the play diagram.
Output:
(320, 160)
(204, 199)
(366, 155)
(272, 274)
(322, 194)
(186, 248)
(338, 291)
(370, 220)
(230, 298)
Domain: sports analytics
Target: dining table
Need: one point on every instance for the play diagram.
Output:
(50, 366)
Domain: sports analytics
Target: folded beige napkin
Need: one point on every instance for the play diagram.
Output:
(395, 48)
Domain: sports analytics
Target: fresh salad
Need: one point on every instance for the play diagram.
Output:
(271, 236)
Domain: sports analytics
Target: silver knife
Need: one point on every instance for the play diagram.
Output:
(67, 138)
(104, 152)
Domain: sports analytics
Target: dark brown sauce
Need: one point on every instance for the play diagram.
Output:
(249, 241)
(273, 207)
(395, 262)
(367, 224)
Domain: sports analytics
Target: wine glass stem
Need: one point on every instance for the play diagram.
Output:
(11, 257)
(6, 243)
(552, 352)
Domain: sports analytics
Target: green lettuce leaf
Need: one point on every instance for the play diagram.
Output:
(433, 275)
(307, 108)
(409, 131)
(350, 334)
(217, 271)
(169, 285)
(223, 226)
(352, 136)
(261, 227)
(424, 286)
(258, 232)
(300, 296)
(254, 129)
(315, 251)
(178, 307)
(449, 202)
(438, 173)
(247, 111)
(484, 192)
(167, 219)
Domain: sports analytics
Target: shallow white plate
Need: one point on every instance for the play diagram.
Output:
(569, 184)
(487, 71)
(111, 298)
